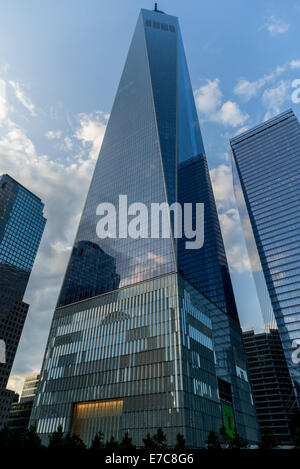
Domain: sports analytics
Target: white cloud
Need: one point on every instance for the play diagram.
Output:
(275, 26)
(68, 143)
(274, 98)
(230, 114)
(3, 103)
(65, 145)
(53, 134)
(208, 98)
(248, 89)
(156, 258)
(221, 178)
(91, 131)
(57, 184)
(295, 64)
(237, 255)
(20, 95)
(16, 382)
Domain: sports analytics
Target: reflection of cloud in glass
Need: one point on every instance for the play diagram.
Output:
(91, 272)
(247, 229)
(140, 267)
(257, 271)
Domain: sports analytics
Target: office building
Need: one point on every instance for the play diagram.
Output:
(271, 383)
(20, 410)
(144, 327)
(21, 228)
(266, 162)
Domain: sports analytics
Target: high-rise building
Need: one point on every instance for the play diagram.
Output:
(21, 228)
(29, 388)
(145, 329)
(266, 162)
(271, 383)
(20, 411)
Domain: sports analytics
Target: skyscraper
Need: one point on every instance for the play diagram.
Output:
(21, 228)
(271, 382)
(20, 411)
(134, 345)
(266, 162)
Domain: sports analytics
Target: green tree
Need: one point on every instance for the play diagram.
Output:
(98, 441)
(295, 422)
(112, 444)
(236, 441)
(10, 439)
(223, 435)
(213, 441)
(268, 440)
(73, 442)
(160, 439)
(180, 441)
(56, 439)
(126, 443)
(149, 443)
(296, 439)
(29, 439)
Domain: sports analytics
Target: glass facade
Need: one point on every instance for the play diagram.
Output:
(129, 163)
(266, 165)
(134, 345)
(88, 417)
(152, 152)
(140, 358)
(21, 228)
(20, 411)
(206, 268)
(271, 383)
(29, 388)
(21, 225)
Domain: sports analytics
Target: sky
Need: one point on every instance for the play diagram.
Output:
(60, 64)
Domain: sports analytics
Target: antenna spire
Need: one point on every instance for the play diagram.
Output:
(155, 6)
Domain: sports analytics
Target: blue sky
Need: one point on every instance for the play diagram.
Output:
(60, 64)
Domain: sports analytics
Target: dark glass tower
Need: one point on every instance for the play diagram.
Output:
(266, 162)
(147, 351)
(271, 383)
(21, 228)
(153, 120)
(20, 411)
